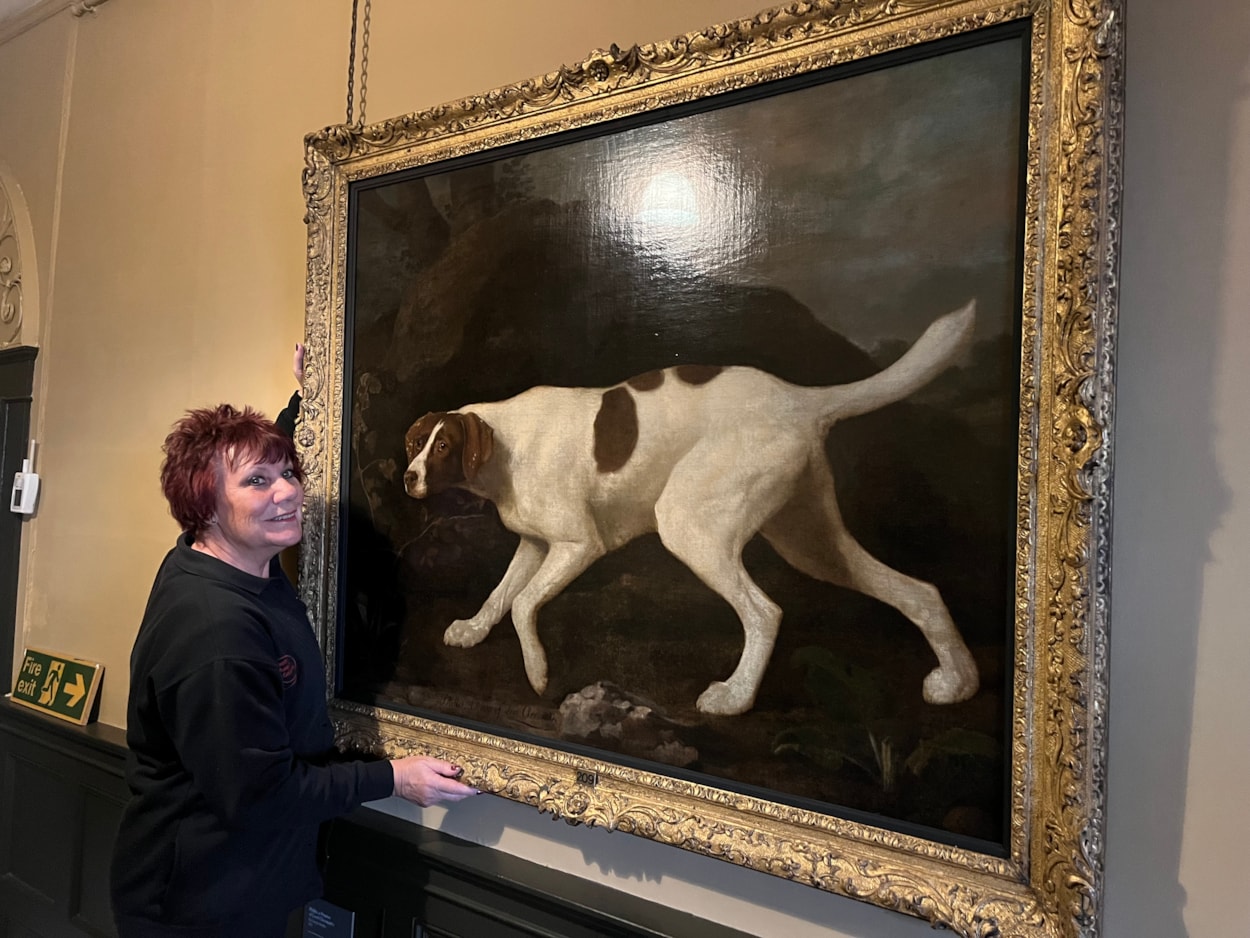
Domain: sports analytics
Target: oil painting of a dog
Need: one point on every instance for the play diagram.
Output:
(719, 473)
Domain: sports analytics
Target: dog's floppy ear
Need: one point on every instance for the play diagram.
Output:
(479, 443)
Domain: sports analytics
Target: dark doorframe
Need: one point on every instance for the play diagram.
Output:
(17, 375)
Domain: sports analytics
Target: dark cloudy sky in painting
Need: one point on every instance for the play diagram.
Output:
(877, 200)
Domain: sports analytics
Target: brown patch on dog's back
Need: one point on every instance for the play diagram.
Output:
(697, 374)
(616, 429)
(646, 382)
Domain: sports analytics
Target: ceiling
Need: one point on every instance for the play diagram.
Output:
(11, 8)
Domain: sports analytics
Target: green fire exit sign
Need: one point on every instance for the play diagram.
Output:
(59, 686)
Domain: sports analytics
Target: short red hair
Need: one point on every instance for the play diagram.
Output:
(190, 475)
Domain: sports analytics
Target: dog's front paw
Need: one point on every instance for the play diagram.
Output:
(721, 699)
(465, 633)
(951, 684)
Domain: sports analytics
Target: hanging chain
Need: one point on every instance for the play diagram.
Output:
(364, 61)
(351, 65)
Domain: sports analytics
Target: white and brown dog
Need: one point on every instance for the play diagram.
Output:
(704, 456)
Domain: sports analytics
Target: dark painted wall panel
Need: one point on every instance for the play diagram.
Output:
(62, 791)
(43, 831)
(17, 374)
(90, 906)
(434, 886)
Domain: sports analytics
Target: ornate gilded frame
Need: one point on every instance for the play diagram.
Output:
(1050, 881)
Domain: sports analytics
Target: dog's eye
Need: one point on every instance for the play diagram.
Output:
(442, 446)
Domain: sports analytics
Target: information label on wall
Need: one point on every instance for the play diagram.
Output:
(57, 685)
(324, 919)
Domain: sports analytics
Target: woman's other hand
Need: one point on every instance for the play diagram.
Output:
(426, 781)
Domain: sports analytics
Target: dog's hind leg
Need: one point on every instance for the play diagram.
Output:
(719, 565)
(465, 633)
(706, 525)
(563, 564)
(810, 535)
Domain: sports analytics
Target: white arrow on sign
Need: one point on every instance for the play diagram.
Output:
(75, 690)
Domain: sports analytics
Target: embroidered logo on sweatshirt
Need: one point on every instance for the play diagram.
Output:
(288, 670)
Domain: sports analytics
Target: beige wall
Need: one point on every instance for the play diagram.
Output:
(169, 245)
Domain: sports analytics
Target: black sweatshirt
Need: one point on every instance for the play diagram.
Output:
(232, 766)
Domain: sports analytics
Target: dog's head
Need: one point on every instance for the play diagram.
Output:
(445, 450)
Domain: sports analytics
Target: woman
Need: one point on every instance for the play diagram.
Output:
(232, 766)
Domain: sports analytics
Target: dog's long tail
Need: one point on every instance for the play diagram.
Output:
(933, 352)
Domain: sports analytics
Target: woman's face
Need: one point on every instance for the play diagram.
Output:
(259, 511)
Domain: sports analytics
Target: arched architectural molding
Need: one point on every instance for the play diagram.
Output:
(19, 280)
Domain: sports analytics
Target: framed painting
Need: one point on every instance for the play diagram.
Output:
(711, 441)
